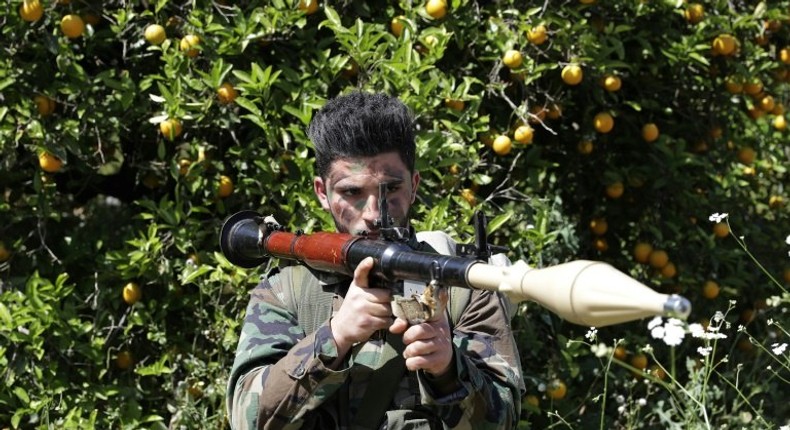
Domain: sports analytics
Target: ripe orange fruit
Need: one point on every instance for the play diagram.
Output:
(620, 353)
(767, 103)
(189, 45)
(49, 163)
(308, 6)
(72, 26)
(721, 229)
(784, 55)
(124, 360)
(599, 226)
(155, 34)
(746, 155)
(183, 166)
(658, 258)
(746, 316)
(171, 128)
(132, 293)
(531, 400)
(786, 275)
(694, 13)
(226, 93)
(669, 271)
(658, 372)
(753, 86)
(225, 186)
(502, 145)
(642, 252)
(734, 85)
(537, 34)
(437, 9)
(469, 196)
(572, 74)
(512, 59)
(31, 10)
(779, 123)
(554, 112)
(600, 244)
(44, 105)
(397, 24)
(91, 18)
(603, 122)
(454, 104)
(524, 134)
(556, 390)
(5, 254)
(710, 289)
(585, 147)
(724, 44)
(615, 190)
(612, 83)
(650, 132)
(775, 202)
(639, 361)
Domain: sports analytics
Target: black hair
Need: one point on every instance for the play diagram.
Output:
(361, 125)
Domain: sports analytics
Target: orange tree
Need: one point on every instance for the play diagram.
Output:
(605, 130)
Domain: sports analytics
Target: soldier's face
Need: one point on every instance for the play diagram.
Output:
(351, 191)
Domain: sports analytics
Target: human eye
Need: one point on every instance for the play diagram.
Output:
(393, 187)
(350, 191)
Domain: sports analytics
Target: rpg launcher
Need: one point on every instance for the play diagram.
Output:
(584, 292)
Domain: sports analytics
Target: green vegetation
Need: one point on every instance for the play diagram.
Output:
(124, 146)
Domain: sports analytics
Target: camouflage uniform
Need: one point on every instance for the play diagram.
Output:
(281, 379)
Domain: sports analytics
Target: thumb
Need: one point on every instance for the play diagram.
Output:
(362, 272)
(399, 326)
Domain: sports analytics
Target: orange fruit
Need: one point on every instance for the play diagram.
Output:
(397, 25)
(512, 59)
(531, 400)
(753, 86)
(91, 18)
(734, 85)
(721, 229)
(44, 105)
(767, 103)
(226, 93)
(786, 275)
(746, 316)
(650, 132)
(658, 258)
(524, 134)
(537, 34)
(454, 104)
(554, 112)
(72, 26)
(600, 244)
(31, 10)
(309, 7)
(556, 390)
(669, 271)
(784, 55)
(585, 147)
(642, 252)
(615, 190)
(779, 123)
(775, 202)
(658, 372)
(502, 145)
(183, 166)
(612, 83)
(599, 226)
(603, 122)
(437, 9)
(710, 289)
(124, 360)
(694, 13)
(225, 186)
(189, 44)
(49, 163)
(620, 353)
(746, 155)
(5, 254)
(639, 361)
(155, 34)
(724, 44)
(171, 128)
(469, 196)
(572, 74)
(132, 293)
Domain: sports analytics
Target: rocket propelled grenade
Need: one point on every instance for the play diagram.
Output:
(583, 292)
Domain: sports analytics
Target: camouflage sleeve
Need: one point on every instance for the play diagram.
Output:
(488, 370)
(279, 375)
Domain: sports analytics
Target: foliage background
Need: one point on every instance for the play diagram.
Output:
(131, 204)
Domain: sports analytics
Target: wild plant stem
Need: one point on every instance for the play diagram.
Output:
(746, 250)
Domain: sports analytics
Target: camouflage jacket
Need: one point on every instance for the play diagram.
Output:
(281, 379)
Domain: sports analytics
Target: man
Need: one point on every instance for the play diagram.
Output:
(345, 369)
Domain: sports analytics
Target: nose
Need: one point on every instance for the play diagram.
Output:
(370, 212)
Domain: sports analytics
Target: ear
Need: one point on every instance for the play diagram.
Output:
(319, 186)
(415, 182)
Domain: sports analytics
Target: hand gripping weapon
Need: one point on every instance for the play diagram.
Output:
(583, 292)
